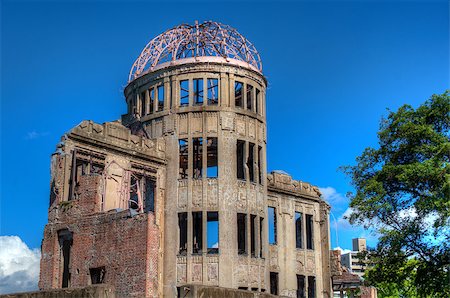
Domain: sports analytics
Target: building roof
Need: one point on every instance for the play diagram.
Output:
(206, 42)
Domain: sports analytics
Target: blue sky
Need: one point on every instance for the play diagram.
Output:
(333, 68)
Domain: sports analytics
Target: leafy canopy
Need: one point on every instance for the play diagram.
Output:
(402, 191)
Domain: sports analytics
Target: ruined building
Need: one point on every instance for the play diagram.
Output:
(175, 195)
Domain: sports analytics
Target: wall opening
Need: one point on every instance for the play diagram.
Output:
(260, 170)
(240, 153)
(65, 239)
(183, 156)
(197, 157)
(213, 91)
(151, 100)
(257, 100)
(274, 283)
(143, 102)
(238, 94)
(160, 97)
(300, 286)
(242, 233)
(249, 97)
(149, 187)
(184, 93)
(253, 234)
(298, 230)
(309, 232)
(212, 229)
(198, 91)
(97, 275)
(182, 232)
(261, 226)
(272, 225)
(83, 163)
(212, 158)
(311, 287)
(251, 161)
(197, 232)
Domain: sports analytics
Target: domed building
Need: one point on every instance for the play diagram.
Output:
(173, 200)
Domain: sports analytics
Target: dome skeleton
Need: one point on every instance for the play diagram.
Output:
(210, 39)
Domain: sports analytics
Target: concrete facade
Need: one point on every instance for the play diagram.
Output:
(132, 200)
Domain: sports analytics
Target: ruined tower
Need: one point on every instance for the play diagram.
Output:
(176, 195)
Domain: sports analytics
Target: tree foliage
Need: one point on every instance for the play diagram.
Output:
(402, 191)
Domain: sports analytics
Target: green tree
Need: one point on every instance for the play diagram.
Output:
(402, 191)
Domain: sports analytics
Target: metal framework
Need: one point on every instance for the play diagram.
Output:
(210, 39)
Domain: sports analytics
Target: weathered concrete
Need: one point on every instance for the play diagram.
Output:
(94, 291)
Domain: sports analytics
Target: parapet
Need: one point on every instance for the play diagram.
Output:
(280, 181)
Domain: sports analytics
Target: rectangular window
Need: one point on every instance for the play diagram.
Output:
(253, 234)
(238, 94)
(240, 153)
(197, 157)
(311, 287)
(197, 232)
(143, 103)
(182, 229)
(261, 226)
(250, 97)
(183, 156)
(298, 230)
(160, 97)
(212, 158)
(272, 225)
(65, 239)
(309, 232)
(134, 201)
(149, 194)
(242, 233)
(184, 93)
(198, 91)
(260, 170)
(300, 286)
(151, 100)
(257, 101)
(251, 161)
(97, 275)
(274, 283)
(213, 91)
(212, 232)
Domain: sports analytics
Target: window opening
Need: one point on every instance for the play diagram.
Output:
(298, 230)
(83, 164)
(184, 93)
(253, 234)
(213, 91)
(238, 94)
(212, 229)
(300, 286)
(212, 158)
(311, 287)
(149, 194)
(260, 170)
(65, 239)
(160, 97)
(250, 161)
(274, 283)
(143, 102)
(240, 152)
(272, 225)
(183, 156)
(242, 232)
(197, 232)
(250, 97)
(97, 275)
(258, 99)
(261, 225)
(198, 91)
(197, 157)
(182, 229)
(309, 231)
(151, 100)
(135, 199)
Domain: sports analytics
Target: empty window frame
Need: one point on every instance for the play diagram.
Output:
(213, 91)
(97, 275)
(311, 287)
(253, 234)
(251, 161)
(134, 201)
(300, 286)
(309, 232)
(151, 101)
(260, 171)
(298, 230)
(198, 91)
(261, 226)
(240, 155)
(197, 161)
(242, 233)
(272, 225)
(148, 187)
(274, 283)
(183, 156)
(65, 239)
(182, 231)
(238, 94)
(250, 97)
(212, 232)
(212, 158)
(160, 97)
(143, 103)
(197, 232)
(257, 101)
(83, 164)
(184, 93)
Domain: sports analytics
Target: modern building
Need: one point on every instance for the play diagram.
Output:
(174, 199)
(353, 260)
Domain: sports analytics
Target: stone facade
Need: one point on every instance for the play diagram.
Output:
(176, 195)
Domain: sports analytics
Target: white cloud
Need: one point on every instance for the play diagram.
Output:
(32, 135)
(343, 250)
(332, 196)
(215, 245)
(19, 266)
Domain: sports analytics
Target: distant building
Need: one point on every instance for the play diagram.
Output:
(352, 260)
